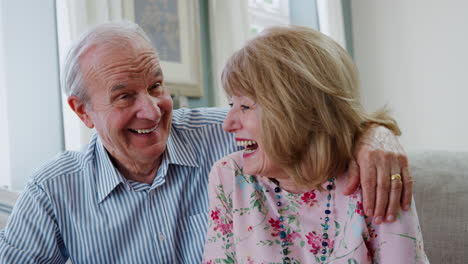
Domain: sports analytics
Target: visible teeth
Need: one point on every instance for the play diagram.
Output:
(249, 150)
(145, 131)
(244, 143)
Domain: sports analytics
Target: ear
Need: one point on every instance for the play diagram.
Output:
(81, 110)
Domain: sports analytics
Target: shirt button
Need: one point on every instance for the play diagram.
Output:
(162, 237)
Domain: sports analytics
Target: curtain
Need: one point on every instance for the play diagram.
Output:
(331, 23)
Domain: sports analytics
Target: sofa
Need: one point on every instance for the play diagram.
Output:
(440, 193)
(441, 196)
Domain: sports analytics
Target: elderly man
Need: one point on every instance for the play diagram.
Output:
(138, 192)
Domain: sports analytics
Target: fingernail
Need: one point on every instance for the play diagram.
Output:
(378, 220)
(390, 218)
(369, 212)
(406, 207)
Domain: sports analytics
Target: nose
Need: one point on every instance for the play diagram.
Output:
(231, 123)
(148, 108)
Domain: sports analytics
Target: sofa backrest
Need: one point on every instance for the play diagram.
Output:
(7, 201)
(441, 196)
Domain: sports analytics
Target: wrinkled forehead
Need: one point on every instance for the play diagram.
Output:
(110, 64)
(118, 50)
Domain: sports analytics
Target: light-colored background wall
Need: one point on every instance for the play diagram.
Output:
(34, 129)
(4, 142)
(412, 55)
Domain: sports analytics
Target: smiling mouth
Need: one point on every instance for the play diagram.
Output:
(143, 131)
(249, 145)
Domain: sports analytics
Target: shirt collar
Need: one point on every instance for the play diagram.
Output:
(178, 152)
(107, 176)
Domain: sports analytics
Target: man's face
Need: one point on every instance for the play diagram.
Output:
(129, 105)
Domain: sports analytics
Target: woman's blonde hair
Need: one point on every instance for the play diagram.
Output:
(307, 86)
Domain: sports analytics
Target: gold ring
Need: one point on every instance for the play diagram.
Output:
(396, 177)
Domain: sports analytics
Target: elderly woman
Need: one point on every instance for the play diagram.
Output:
(295, 111)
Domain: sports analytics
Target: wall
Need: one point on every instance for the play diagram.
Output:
(412, 56)
(32, 88)
(5, 179)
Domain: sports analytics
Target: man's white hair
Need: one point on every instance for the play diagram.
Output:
(72, 80)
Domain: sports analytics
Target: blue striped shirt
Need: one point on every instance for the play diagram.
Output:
(79, 206)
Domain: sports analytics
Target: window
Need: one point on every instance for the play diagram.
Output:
(267, 13)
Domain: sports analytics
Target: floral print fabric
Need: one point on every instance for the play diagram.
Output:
(244, 224)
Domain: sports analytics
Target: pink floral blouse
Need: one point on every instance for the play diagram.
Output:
(244, 224)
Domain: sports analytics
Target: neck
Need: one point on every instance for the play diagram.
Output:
(139, 172)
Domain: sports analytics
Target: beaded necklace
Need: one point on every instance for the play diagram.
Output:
(285, 251)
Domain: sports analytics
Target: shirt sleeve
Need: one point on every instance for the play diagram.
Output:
(31, 234)
(219, 244)
(397, 242)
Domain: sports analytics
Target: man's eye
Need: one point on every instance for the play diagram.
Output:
(155, 88)
(156, 85)
(123, 97)
(230, 105)
(123, 100)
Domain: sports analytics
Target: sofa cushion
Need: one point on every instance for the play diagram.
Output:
(441, 196)
(7, 200)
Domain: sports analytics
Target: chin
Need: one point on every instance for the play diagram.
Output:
(155, 150)
(149, 153)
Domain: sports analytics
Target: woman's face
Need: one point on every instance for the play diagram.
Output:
(244, 121)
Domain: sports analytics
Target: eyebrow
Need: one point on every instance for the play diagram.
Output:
(117, 87)
(158, 73)
(121, 86)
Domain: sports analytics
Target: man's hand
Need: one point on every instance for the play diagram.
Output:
(378, 156)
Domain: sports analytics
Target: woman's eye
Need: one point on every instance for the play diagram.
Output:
(231, 105)
(244, 107)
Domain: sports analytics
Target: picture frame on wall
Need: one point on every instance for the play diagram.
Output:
(173, 27)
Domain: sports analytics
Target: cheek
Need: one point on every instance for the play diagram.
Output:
(113, 122)
(252, 122)
(166, 105)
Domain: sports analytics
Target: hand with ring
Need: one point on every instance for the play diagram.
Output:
(396, 177)
(382, 170)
